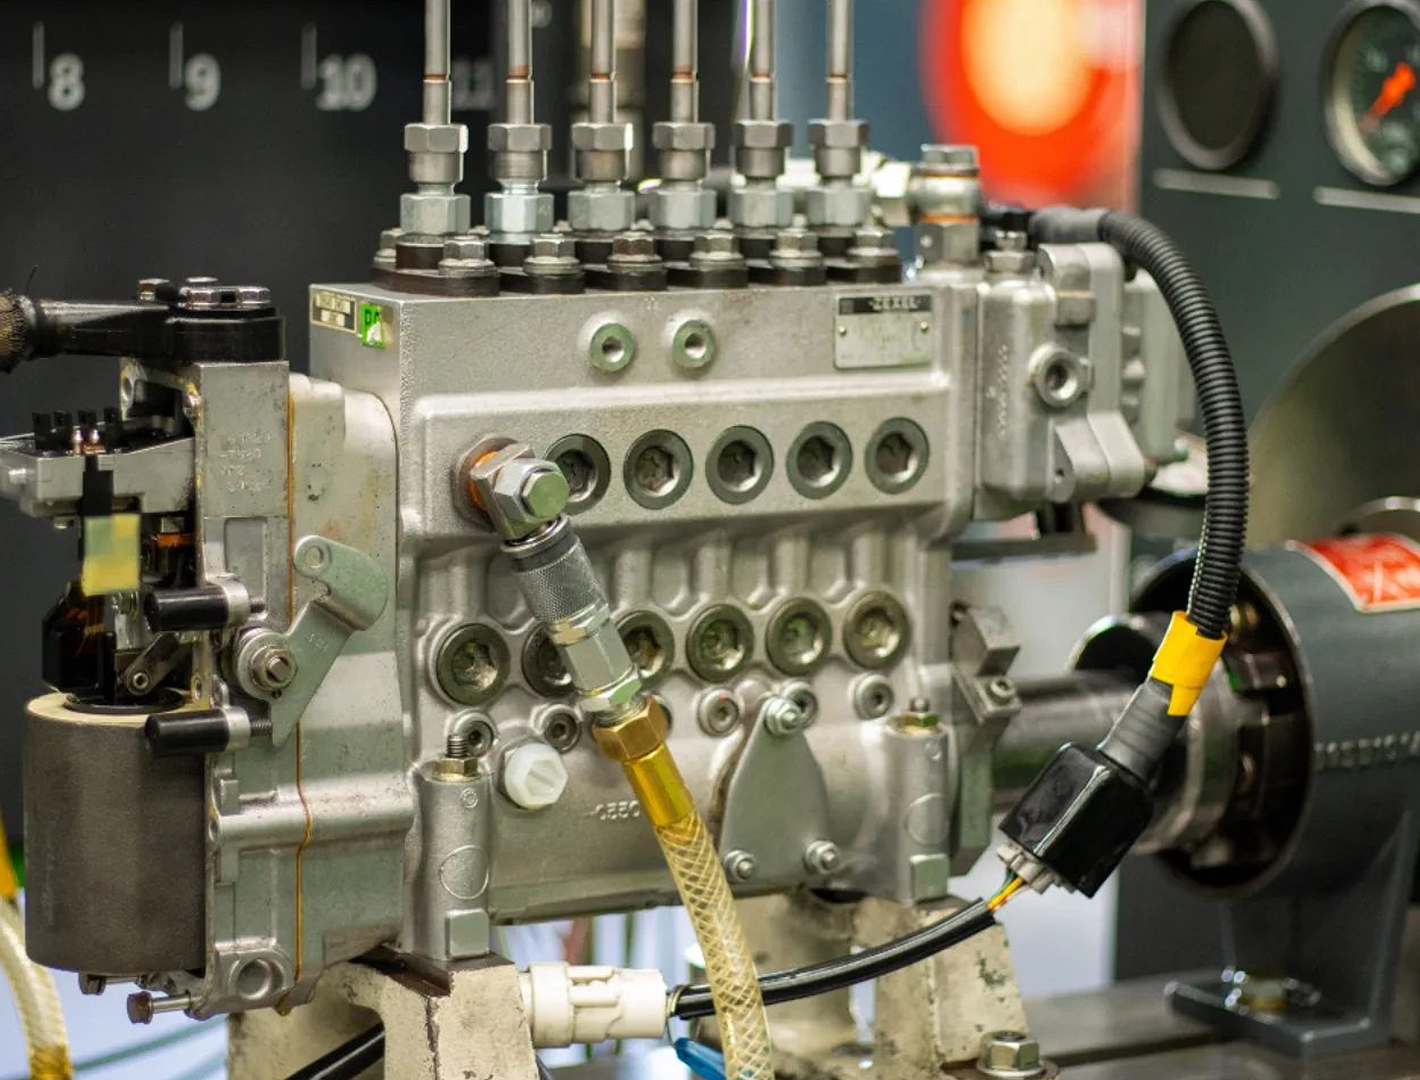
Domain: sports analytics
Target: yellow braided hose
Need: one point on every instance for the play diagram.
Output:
(36, 1000)
(638, 742)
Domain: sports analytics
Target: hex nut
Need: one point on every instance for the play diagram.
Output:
(435, 138)
(604, 208)
(822, 857)
(740, 865)
(467, 248)
(716, 242)
(593, 136)
(636, 736)
(517, 212)
(682, 135)
(1010, 1055)
(959, 158)
(434, 215)
(634, 245)
(552, 245)
(519, 138)
(682, 208)
(838, 134)
(527, 492)
(796, 241)
(610, 700)
(761, 207)
(763, 134)
(782, 717)
(846, 205)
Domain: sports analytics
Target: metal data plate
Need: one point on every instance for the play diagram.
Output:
(882, 329)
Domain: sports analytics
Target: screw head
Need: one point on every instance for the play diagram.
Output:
(140, 1008)
(633, 245)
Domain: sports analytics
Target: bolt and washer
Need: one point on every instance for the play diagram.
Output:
(782, 716)
(273, 667)
(739, 865)
(1001, 690)
(1010, 1055)
(822, 857)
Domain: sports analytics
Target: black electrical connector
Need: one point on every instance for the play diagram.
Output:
(1080, 816)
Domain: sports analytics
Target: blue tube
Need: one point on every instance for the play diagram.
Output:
(700, 1059)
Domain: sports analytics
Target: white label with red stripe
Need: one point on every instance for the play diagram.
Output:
(1379, 571)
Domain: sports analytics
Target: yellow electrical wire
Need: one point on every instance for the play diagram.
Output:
(1005, 892)
(9, 881)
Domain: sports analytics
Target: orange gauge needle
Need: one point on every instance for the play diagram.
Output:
(1397, 84)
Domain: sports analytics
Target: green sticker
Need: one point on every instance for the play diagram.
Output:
(372, 326)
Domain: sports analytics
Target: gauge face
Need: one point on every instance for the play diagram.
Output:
(1373, 101)
(1219, 68)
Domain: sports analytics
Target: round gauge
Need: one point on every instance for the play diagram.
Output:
(1218, 72)
(1372, 100)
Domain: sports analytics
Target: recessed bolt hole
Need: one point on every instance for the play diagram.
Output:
(580, 471)
(694, 345)
(547, 664)
(721, 644)
(646, 651)
(613, 350)
(473, 665)
(895, 457)
(803, 638)
(817, 461)
(878, 631)
(738, 465)
(655, 470)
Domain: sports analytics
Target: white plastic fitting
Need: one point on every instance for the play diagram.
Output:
(587, 1004)
(534, 776)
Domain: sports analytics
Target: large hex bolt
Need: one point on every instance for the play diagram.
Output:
(795, 249)
(1010, 1055)
(552, 255)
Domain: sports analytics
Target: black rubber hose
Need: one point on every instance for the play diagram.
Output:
(348, 1060)
(354, 1056)
(1220, 544)
(692, 1001)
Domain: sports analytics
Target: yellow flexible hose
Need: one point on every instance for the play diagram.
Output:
(36, 999)
(638, 742)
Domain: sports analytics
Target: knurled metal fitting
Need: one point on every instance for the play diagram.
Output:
(435, 138)
(1010, 1055)
(635, 735)
(763, 134)
(519, 138)
(794, 248)
(838, 134)
(587, 135)
(682, 135)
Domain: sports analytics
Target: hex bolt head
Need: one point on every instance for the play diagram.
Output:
(544, 492)
(553, 246)
(796, 241)
(955, 157)
(1010, 1055)
(782, 716)
(1001, 690)
(822, 857)
(634, 245)
(739, 865)
(715, 241)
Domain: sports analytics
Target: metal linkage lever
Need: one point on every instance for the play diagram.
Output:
(287, 669)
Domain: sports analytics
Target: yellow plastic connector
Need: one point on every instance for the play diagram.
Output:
(1184, 661)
